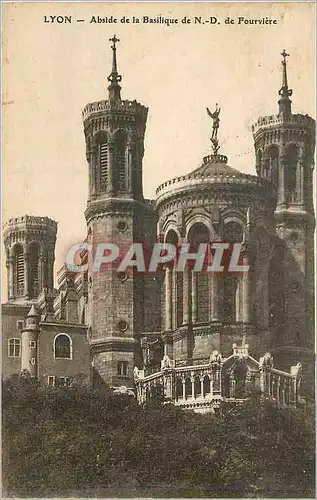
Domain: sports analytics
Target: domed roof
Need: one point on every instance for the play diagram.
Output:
(214, 173)
(214, 166)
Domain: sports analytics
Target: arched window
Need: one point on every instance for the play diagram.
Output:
(63, 348)
(177, 286)
(197, 385)
(198, 234)
(206, 385)
(103, 163)
(102, 160)
(259, 162)
(179, 389)
(34, 269)
(272, 155)
(18, 270)
(290, 173)
(119, 160)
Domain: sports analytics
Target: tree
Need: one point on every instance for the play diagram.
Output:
(78, 440)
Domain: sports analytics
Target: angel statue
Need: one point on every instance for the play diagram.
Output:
(215, 118)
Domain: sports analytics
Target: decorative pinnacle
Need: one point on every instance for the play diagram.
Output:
(214, 138)
(285, 93)
(114, 78)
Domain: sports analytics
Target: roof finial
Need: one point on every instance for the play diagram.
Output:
(114, 78)
(285, 93)
(214, 138)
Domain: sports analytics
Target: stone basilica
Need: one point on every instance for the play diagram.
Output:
(196, 336)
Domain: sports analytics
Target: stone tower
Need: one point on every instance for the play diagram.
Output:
(30, 252)
(114, 132)
(284, 147)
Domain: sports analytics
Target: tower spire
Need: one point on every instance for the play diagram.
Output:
(114, 78)
(285, 93)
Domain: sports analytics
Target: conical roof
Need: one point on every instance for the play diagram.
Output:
(33, 311)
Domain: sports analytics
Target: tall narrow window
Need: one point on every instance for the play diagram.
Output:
(103, 164)
(123, 368)
(230, 298)
(63, 347)
(290, 173)
(233, 233)
(272, 155)
(197, 235)
(119, 161)
(18, 271)
(34, 269)
(14, 348)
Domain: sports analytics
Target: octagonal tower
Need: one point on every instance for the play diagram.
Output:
(284, 148)
(30, 253)
(116, 212)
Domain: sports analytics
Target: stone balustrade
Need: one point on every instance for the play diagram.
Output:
(273, 120)
(121, 106)
(202, 387)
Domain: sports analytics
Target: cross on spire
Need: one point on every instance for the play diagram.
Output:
(285, 55)
(114, 78)
(114, 40)
(285, 93)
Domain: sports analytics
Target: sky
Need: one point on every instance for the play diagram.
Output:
(51, 71)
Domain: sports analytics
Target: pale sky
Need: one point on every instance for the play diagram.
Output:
(51, 71)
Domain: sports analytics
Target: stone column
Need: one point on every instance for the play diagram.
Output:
(192, 379)
(90, 172)
(264, 167)
(246, 292)
(26, 274)
(184, 388)
(93, 177)
(9, 265)
(194, 296)
(283, 392)
(174, 298)
(186, 298)
(50, 266)
(168, 299)
(278, 385)
(202, 387)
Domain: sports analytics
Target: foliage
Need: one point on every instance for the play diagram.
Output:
(77, 441)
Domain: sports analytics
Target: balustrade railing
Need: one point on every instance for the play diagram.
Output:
(202, 384)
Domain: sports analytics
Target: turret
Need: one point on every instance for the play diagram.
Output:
(30, 252)
(30, 332)
(114, 131)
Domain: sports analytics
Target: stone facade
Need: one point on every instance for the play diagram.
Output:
(99, 326)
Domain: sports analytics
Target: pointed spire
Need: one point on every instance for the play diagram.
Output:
(33, 312)
(285, 93)
(114, 78)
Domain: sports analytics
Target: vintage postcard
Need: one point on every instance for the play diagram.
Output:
(158, 249)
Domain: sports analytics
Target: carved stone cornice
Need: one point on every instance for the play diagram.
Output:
(112, 344)
(108, 207)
